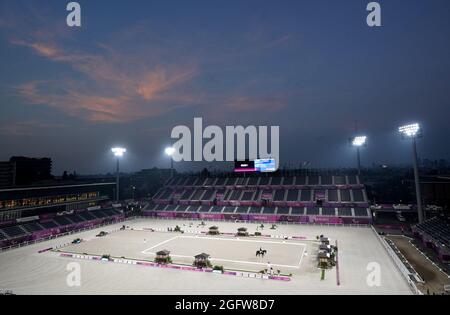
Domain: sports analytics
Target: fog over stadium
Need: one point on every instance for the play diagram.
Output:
(133, 72)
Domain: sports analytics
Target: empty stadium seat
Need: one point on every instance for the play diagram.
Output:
(283, 210)
(437, 228)
(306, 195)
(344, 212)
(279, 195)
(339, 180)
(86, 215)
(353, 180)
(171, 208)
(13, 231)
(209, 194)
(187, 194)
(62, 221)
(333, 195)
(288, 181)
(329, 211)
(235, 195)
(166, 194)
(190, 181)
(75, 218)
(110, 212)
(361, 212)
(257, 195)
(313, 180)
(216, 209)
(221, 181)
(210, 181)
(269, 210)
(297, 211)
(326, 180)
(276, 181)
(181, 181)
(345, 195)
(358, 195)
(159, 207)
(247, 195)
(230, 209)
(253, 181)
(255, 210)
(300, 180)
(200, 182)
(32, 227)
(204, 209)
(182, 208)
(313, 211)
(242, 210)
(99, 214)
(49, 224)
(292, 195)
(193, 209)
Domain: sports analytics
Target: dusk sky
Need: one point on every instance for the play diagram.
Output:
(136, 69)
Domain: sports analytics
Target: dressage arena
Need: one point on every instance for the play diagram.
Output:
(231, 252)
(26, 271)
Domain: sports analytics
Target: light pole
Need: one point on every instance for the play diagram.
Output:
(413, 131)
(170, 152)
(358, 142)
(118, 153)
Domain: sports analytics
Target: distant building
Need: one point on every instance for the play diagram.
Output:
(30, 170)
(24, 171)
(6, 174)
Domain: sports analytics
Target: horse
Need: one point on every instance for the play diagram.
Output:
(261, 253)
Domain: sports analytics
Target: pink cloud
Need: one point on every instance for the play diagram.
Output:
(115, 93)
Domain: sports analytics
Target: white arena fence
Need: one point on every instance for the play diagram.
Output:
(254, 222)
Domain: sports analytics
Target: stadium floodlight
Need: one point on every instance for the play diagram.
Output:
(413, 131)
(170, 151)
(118, 153)
(359, 141)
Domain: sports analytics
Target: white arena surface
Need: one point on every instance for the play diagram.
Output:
(25, 271)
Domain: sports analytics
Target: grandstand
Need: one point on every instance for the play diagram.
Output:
(305, 199)
(35, 228)
(435, 234)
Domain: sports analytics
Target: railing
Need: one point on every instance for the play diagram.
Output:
(256, 221)
(399, 264)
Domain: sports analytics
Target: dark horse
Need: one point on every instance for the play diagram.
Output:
(261, 253)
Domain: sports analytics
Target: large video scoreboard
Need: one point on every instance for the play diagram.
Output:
(256, 166)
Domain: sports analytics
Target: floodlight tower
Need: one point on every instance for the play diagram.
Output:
(170, 152)
(413, 131)
(118, 153)
(358, 142)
